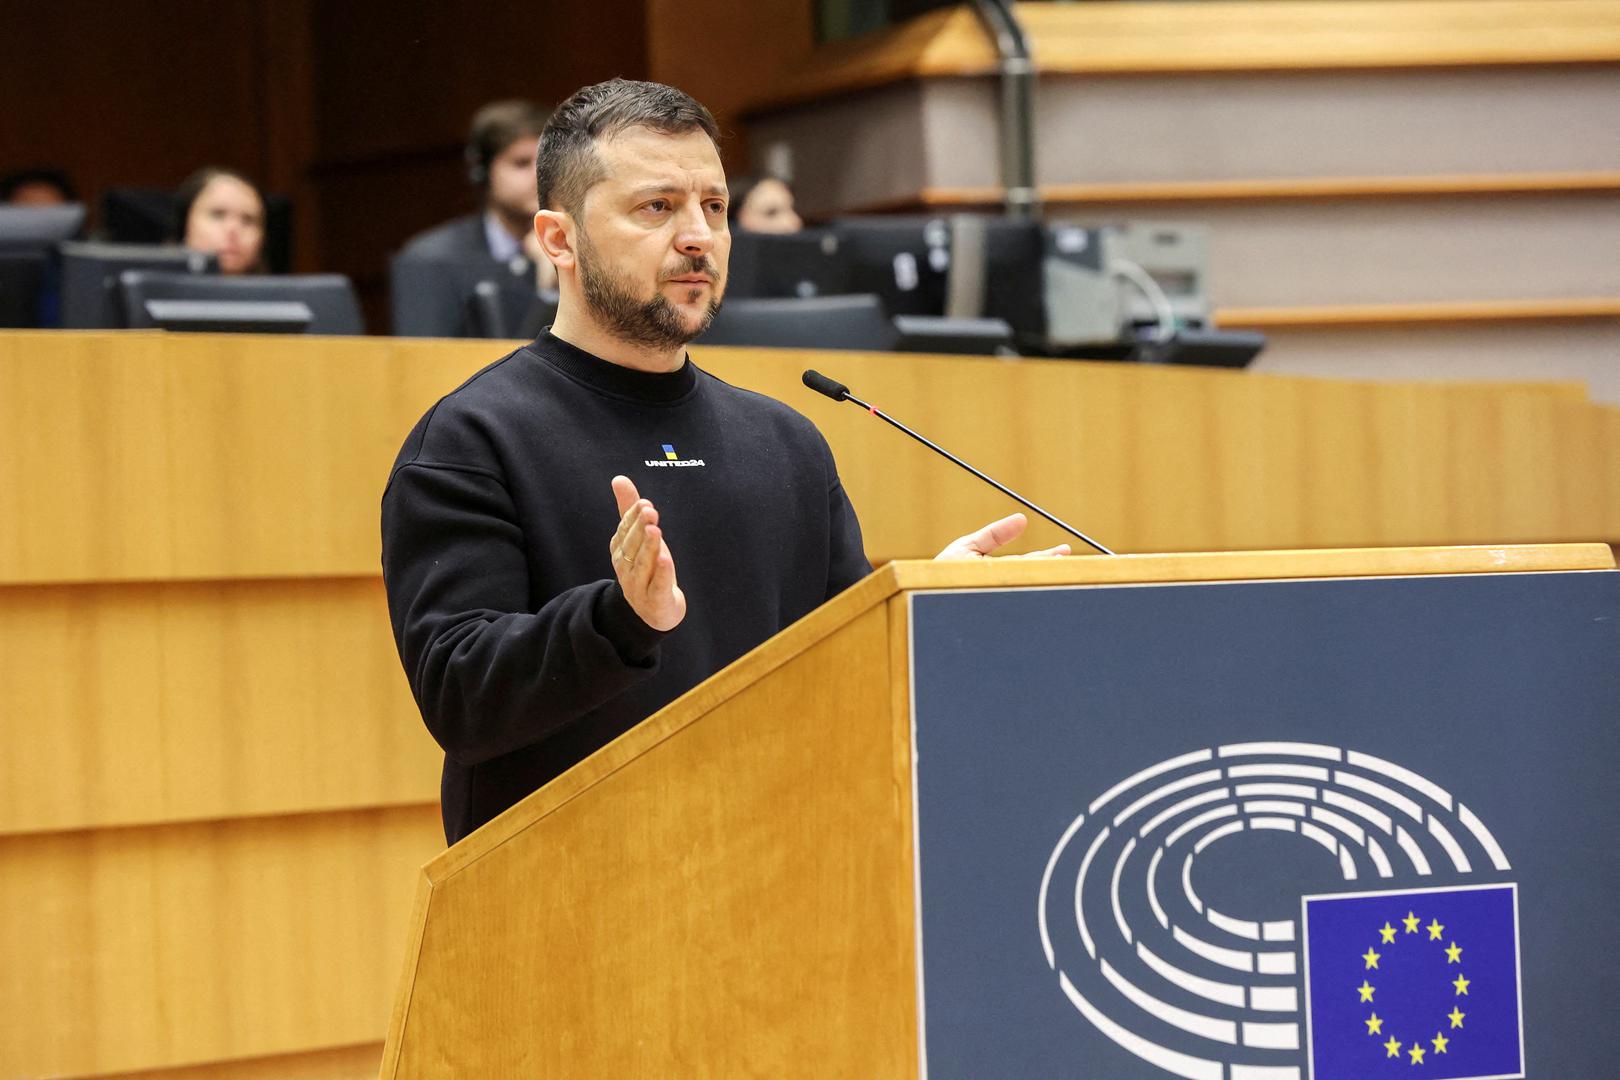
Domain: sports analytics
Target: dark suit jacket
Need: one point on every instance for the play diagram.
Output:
(432, 277)
(459, 238)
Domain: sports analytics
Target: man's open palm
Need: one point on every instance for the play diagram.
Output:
(997, 534)
(642, 562)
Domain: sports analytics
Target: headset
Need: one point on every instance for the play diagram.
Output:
(493, 128)
(478, 159)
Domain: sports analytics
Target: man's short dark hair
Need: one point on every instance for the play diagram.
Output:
(495, 127)
(568, 163)
(55, 178)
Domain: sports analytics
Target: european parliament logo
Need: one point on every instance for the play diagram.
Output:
(1421, 983)
(1369, 982)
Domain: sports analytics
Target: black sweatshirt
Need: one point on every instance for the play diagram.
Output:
(522, 651)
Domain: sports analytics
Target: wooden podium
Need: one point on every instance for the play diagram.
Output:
(737, 886)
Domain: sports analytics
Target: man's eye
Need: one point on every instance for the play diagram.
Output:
(658, 205)
(717, 207)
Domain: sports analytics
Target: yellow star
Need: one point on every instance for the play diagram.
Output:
(1389, 934)
(1461, 984)
(1435, 930)
(1456, 1015)
(1454, 954)
(1366, 990)
(1375, 1024)
(1371, 958)
(1440, 1043)
(1411, 922)
(1393, 1048)
(1417, 1054)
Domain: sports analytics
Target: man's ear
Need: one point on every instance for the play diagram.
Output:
(555, 231)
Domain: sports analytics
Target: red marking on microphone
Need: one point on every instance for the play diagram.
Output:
(872, 409)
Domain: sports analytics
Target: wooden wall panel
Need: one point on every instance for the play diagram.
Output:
(202, 457)
(145, 456)
(144, 703)
(157, 947)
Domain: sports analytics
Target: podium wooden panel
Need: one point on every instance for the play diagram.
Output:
(729, 888)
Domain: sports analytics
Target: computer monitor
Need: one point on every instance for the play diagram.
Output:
(331, 300)
(89, 275)
(508, 308)
(28, 239)
(974, 266)
(942, 334)
(432, 296)
(1006, 281)
(231, 316)
(903, 261)
(797, 265)
(41, 227)
(817, 322)
(22, 284)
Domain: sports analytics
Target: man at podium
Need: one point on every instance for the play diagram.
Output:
(536, 516)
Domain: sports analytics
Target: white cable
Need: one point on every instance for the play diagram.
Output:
(1143, 280)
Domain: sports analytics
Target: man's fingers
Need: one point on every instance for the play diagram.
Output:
(1047, 553)
(652, 561)
(624, 493)
(642, 563)
(643, 517)
(988, 539)
(625, 522)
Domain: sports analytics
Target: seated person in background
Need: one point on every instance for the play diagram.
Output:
(37, 187)
(500, 164)
(762, 204)
(220, 212)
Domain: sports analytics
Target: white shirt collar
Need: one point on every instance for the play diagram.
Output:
(502, 244)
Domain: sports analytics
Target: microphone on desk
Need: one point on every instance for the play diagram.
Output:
(818, 382)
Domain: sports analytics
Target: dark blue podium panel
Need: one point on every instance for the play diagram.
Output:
(1336, 829)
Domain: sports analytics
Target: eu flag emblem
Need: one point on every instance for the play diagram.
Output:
(1419, 983)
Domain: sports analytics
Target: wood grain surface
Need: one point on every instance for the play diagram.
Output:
(177, 945)
(737, 897)
(143, 703)
(201, 457)
(1146, 36)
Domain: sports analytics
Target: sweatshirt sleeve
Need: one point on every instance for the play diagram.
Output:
(847, 562)
(490, 675)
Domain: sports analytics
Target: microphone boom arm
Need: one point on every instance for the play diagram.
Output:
(839, 392)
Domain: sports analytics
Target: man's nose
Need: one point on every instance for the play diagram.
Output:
(694, 237)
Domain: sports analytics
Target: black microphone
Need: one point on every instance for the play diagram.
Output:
(818, 382)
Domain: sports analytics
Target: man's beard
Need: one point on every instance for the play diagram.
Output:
(651, 324)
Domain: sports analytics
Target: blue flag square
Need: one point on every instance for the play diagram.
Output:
(1422, 983)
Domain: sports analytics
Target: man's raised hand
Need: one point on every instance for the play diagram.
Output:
(642, 562)
(979, 545)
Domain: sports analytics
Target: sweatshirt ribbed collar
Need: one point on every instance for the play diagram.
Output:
(650, 388)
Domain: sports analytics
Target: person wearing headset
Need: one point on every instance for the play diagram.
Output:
(500, 165)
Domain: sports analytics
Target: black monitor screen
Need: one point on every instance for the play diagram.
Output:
(903, 260)
(89, 275)
(22, 280)
(1014, 282)
(28, 239)
(791, 265)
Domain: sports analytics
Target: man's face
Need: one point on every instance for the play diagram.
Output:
(652, 242)
(511, 179)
